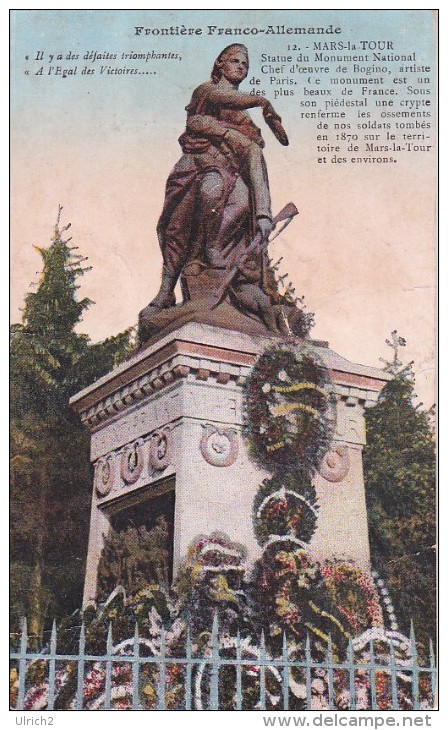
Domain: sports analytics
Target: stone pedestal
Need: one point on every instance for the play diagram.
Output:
(170, 418)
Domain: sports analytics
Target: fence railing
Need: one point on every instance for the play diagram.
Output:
(228, 673)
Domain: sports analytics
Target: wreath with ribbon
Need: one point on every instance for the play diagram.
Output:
(289, 410)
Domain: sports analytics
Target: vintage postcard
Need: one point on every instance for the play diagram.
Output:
(223, 251)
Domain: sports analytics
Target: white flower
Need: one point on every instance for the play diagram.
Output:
(318, 703)
(318, 686)
(282, 375)
(362, 699)
(344, 700)
(381, 583)
(266, 388)
(387, 601)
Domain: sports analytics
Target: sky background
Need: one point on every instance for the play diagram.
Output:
(362, 250)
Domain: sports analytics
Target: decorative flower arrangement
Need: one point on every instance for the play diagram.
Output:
(353, 593)
(284, 579)
(289, 411)
(213, 579)
(285, 506)
(290, 593)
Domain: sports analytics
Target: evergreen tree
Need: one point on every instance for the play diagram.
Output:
(399, 463)
(50, 469)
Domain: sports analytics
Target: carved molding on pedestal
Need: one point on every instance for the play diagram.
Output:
(104, 475)
(160, 379)
(223, 362)
(336, 463)
(131, 464)
(219, 446)
(161, 449)
(140, 458)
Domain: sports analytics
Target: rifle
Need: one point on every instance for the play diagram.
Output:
(286, 214)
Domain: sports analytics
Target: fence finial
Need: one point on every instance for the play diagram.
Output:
(136, 670)
(24, 637)
(372, 673)
(285, 672)
(330, 662)
(109, 644)
(415, 668)
(214, 675)
(53, 638)
(351, 670)
(432, 664)
(393, 675)
(215, 625)
(80, 679)
(82, 638)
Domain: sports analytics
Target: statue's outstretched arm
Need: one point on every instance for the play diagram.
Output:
(230, 99)
(238, 100)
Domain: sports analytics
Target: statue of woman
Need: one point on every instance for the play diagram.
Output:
(217, 196)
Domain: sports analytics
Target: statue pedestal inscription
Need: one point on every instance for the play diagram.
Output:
(169, 420)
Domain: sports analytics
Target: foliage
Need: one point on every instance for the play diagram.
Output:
(50, 469)
(134, 558)
(399, 465)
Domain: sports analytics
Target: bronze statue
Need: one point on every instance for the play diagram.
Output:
(216, 219)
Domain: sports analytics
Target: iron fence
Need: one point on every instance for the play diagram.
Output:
(228, 673)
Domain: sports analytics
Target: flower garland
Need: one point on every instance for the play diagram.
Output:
(289, 420)
(213, 579)
(386, 600)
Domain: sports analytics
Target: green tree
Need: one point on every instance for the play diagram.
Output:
(50, 469)
(399, 464)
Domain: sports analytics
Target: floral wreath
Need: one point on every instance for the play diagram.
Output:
(285, 506)
(289, 410)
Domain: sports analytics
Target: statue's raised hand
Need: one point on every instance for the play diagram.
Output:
(274, 122)
(264, 226)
